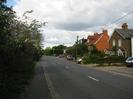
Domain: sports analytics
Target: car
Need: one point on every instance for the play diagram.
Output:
(69, 57)
(61, 56)
(129, 62)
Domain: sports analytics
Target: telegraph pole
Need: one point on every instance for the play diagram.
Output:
(53, 51)
(76, 48)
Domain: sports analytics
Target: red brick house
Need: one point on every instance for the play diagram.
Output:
(100, 41)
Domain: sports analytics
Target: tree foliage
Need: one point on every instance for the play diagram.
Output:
(71, 50)
(2, 1)
(56, 50)
(20, 46)
(93, 56)
(80, 48)
(48, 51)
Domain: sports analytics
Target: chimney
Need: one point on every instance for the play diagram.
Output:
(124, 26)
(96, 34)
(105, 31)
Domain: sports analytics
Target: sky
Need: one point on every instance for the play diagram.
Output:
(67, 19)
(11, 3)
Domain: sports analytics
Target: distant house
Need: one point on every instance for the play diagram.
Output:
(121, 41)
(100, 41)
(82, 41)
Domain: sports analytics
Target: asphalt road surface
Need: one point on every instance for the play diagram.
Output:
(67, 80)
(38, 88)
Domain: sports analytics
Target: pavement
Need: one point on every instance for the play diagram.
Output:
(121, 69)
(67, 80)
(38, 88)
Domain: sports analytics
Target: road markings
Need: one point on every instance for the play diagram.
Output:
(50, 85)
(93, 78)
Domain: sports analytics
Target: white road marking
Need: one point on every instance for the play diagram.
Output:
(93, 78)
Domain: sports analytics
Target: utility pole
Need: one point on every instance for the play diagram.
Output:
(53, 51)
(76, 48)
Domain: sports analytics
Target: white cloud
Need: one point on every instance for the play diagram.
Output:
(69, 18)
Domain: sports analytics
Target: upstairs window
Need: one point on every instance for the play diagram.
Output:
(119, 42)
(114, 44)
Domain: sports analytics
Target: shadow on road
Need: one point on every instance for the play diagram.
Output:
(38, 88)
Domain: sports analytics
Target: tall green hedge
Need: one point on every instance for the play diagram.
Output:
(19, 50)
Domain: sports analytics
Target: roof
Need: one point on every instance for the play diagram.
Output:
(94, 38)
(125, 33)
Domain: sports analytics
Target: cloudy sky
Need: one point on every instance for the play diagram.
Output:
(69, 18)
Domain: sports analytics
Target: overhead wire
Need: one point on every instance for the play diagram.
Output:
(120, 18)
(115, 21)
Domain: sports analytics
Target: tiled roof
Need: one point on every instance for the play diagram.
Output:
(93, 38)
(125, 33)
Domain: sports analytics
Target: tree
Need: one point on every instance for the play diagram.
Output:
(81, 50)
(93, 56)
(57, 50)
(48, 51)
(71, 50)
(2, 1)
(20, 47)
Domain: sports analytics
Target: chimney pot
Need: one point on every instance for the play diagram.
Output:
(105, 31)
(95, 33)
(124, 26)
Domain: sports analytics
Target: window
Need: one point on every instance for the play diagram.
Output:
(119, 42)
(88, 41)
(114, 43)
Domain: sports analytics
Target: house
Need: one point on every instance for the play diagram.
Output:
(82, 41)
(100, 41)
(121, 41)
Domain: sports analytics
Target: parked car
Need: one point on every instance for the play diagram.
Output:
(129, 62)
(69, 57)
(61, 56)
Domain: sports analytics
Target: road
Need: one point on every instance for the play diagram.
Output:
(38, 88)
(69, 80)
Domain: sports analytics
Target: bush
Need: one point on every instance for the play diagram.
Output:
(111, 59)
(19, 49)
(87, 59)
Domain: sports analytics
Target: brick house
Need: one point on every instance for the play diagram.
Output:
(100, 41)
(121, 41)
